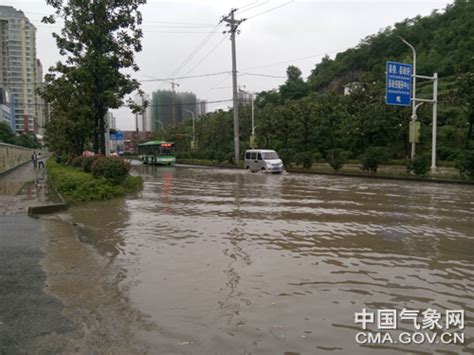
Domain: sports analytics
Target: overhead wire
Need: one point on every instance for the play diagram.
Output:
(240, 11)
(195, 50)
(207, 55)
(269, 10)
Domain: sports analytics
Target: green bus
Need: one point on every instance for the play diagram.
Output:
(157, 152)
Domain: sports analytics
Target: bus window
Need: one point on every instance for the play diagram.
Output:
(167, 149)
(247, 155)
(259, 156)
(254, 156)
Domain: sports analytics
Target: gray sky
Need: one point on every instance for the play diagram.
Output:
(298, 33)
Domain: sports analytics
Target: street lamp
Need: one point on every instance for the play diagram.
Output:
(413, 102)
(252, 137)
(434, 101)
(193, 143)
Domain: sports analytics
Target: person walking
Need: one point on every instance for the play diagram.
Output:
(40, 161)
(34, 159)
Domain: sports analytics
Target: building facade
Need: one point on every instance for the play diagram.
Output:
(7, 109)
(18, 66)
(169, 108)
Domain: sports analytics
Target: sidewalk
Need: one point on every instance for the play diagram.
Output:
(23, 187)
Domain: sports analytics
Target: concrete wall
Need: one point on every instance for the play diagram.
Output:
(11, 156)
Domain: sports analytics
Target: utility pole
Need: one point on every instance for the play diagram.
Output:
(173, 84)
(233, 25)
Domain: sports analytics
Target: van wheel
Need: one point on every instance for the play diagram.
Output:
(247, 167)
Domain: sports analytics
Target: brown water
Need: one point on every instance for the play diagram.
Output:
(230, 262)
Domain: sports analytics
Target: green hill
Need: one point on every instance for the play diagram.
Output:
(444, 43)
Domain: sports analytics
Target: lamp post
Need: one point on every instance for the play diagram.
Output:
(193, 143)
(252, 136)
(434, 101)
(413, 100)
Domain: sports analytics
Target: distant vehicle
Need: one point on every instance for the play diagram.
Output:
(263, 159)
(157, 152)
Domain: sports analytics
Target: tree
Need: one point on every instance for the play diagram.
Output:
(70, 127)
(294, 88)
(98, 40)
(466, 95)
(6, 134)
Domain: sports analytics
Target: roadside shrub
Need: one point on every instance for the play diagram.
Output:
(317, 157)
(373, 157)
(465, 164)
(87, 163)
(114, 169)
(230, 158)
(420, 165)
(77, 162)
(336, 158)
(305, 159)
(287, 156)
(77, 186)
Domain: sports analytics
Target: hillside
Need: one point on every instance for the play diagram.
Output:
(444, 43)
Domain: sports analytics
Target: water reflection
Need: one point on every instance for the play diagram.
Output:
(227, 261)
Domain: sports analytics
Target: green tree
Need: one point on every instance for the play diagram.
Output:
(294, 88)
(98, 40)
(466, 96)
(6, 134)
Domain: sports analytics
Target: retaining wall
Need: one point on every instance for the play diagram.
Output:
(12, 156)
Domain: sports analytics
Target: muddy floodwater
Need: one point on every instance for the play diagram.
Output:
(230, 262)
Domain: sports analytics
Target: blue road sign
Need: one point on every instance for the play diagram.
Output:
(398, 86)
(117, 136)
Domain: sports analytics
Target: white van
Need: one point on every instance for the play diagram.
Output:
(263, 159)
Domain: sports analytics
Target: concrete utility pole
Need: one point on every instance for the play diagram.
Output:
(173, 84)
(233, 24)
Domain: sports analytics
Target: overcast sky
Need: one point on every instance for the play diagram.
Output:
(277, 33)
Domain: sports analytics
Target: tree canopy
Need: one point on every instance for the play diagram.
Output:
(98, 41)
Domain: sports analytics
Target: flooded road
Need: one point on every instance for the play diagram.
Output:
(230, 262)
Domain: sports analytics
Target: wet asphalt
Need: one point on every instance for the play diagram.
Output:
(26, 310)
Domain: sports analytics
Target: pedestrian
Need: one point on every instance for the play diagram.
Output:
(40, 161)
(34, 159)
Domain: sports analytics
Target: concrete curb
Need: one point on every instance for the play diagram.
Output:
(49, 208)
(349, 175)
(399, 178)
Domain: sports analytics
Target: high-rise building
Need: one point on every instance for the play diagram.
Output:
(18, 65)
(169, 108)
(40, 104)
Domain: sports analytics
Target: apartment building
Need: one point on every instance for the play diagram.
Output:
(18, 66)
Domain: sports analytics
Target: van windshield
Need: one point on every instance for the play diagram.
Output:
(270, 155)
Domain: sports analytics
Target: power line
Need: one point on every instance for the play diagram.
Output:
(195, 50)
(263, 75)
(240, 11)
(207, 55)
(294, 60)
(183, 77)
(272, 9)
(151, 105)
